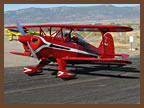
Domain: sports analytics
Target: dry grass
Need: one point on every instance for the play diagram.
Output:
(121, 41)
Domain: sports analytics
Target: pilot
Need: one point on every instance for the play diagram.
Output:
(75, 38)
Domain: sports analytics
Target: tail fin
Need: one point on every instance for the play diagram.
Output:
(107, 45)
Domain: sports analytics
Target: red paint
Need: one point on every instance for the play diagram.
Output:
(31, 70)
(66, 74)
(107, 28)
(62, 50)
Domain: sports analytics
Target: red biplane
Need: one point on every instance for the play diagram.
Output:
(69, 48)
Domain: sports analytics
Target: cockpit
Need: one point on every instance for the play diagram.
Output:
(73, 36)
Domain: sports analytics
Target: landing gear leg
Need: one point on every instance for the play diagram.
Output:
(63, 73)
(37, 69)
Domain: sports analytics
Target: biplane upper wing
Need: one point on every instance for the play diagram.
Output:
(104, 61)
(90, 28)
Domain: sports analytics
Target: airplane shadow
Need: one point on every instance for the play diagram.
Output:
(116, 72)
(108, 73)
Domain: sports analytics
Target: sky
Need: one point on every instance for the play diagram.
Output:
(9, 7)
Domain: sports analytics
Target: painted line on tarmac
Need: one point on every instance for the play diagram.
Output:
(61, 84)
(46, 86)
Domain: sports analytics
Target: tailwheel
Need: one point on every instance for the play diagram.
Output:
(10, 38)
(65, 74)
(31, 71)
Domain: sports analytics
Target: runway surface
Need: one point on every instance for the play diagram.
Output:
(93, 85)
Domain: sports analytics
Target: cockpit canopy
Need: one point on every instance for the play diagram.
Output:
(70, 36)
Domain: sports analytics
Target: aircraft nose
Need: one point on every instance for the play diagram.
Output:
(24, 39)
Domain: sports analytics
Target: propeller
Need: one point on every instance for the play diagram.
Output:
(32, 51)
(22, 34)
(20, 28)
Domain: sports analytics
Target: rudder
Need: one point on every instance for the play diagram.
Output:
(107, 47)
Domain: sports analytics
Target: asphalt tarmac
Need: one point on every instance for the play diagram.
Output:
(94, 84)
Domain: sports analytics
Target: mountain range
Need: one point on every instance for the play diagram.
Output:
(70, 14)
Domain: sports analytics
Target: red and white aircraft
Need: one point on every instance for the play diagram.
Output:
(69, 48)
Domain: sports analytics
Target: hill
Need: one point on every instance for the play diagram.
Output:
(70, 14)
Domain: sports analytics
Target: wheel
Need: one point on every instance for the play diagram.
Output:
(10, 39)
(65, 74)
(30, 71)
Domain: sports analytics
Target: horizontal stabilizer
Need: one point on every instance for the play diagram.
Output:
(123, 55)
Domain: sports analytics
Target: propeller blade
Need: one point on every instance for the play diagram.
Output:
(20, 28)
(32, 51)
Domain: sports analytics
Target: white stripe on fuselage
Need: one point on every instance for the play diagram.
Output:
(71, 49)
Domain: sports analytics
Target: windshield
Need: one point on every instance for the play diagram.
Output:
(79, 36)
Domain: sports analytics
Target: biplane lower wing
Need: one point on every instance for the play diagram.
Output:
(20, 53)
(103, 61)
